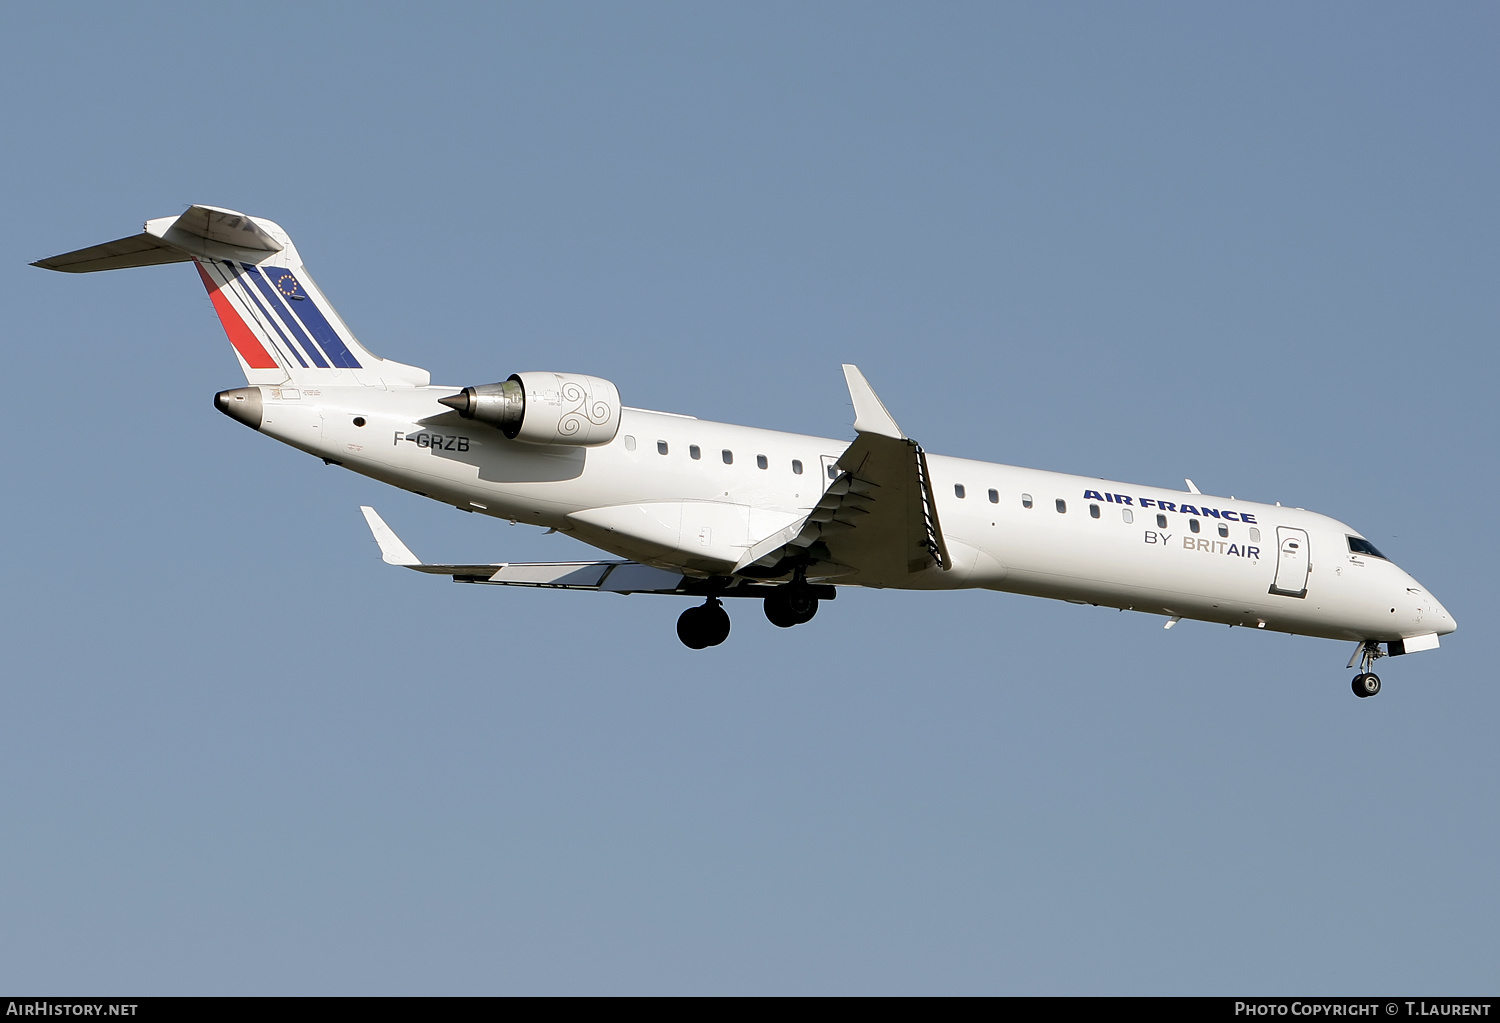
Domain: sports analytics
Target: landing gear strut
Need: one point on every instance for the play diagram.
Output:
(703, 626)
(1366, 683)
(791, 605)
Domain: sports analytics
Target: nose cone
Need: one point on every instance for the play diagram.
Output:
(1442, 619)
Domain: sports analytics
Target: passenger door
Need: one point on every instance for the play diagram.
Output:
(1293, 562)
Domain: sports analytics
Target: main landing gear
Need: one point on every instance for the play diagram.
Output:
(1366, 683)
(791, 605)
(708, 624)
(704, 626)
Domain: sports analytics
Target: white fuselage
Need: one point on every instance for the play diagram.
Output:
(1005, 527)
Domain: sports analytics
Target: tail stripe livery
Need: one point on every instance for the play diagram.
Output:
(241, 303)
(258, 310)
(265, 304)
(311, 316)
(240, 335)
(282, 328)
(272, 312)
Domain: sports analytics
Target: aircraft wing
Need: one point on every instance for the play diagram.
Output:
(877, 521)
(598, 576)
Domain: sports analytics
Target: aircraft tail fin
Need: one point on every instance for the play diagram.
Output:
(282, 328)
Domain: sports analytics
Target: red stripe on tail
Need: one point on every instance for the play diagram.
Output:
(255, 356)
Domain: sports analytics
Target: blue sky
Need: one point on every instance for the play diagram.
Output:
(1250, 245)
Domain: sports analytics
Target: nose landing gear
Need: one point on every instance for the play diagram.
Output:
(704, 626)
(1366, 683)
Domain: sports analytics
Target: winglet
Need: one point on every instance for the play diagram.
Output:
(1192, 487)
(392, 550)
(870, 415)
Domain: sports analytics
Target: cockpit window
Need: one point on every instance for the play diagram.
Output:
(1361, 546)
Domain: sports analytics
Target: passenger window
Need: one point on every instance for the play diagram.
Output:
(797, 466)
(1062, 506)
(760, 462)
(1254, 535)
(694, 451)
(994, 497)
(629, 442)
(1025, 500)
(1161, 522)
(1127, 515)
(958, 490)
(728, 456)
(661, 447)
(1223, 529)
(1193, 525)
(1093, 511)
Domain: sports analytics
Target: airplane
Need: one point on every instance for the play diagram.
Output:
(715, 511)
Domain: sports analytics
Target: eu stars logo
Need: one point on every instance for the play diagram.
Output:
(289, 287)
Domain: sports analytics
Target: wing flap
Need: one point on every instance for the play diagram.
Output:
(598, 576)
(877, 521)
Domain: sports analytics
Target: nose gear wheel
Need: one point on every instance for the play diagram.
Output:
(1366, 683)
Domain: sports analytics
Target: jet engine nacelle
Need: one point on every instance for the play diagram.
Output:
(545, 408)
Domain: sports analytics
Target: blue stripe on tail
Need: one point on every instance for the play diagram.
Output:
(254, 302)
(279, 316)
(312, 317)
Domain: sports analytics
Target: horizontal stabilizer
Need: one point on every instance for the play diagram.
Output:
(170, 240)
(138, 250)
(214, 224)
